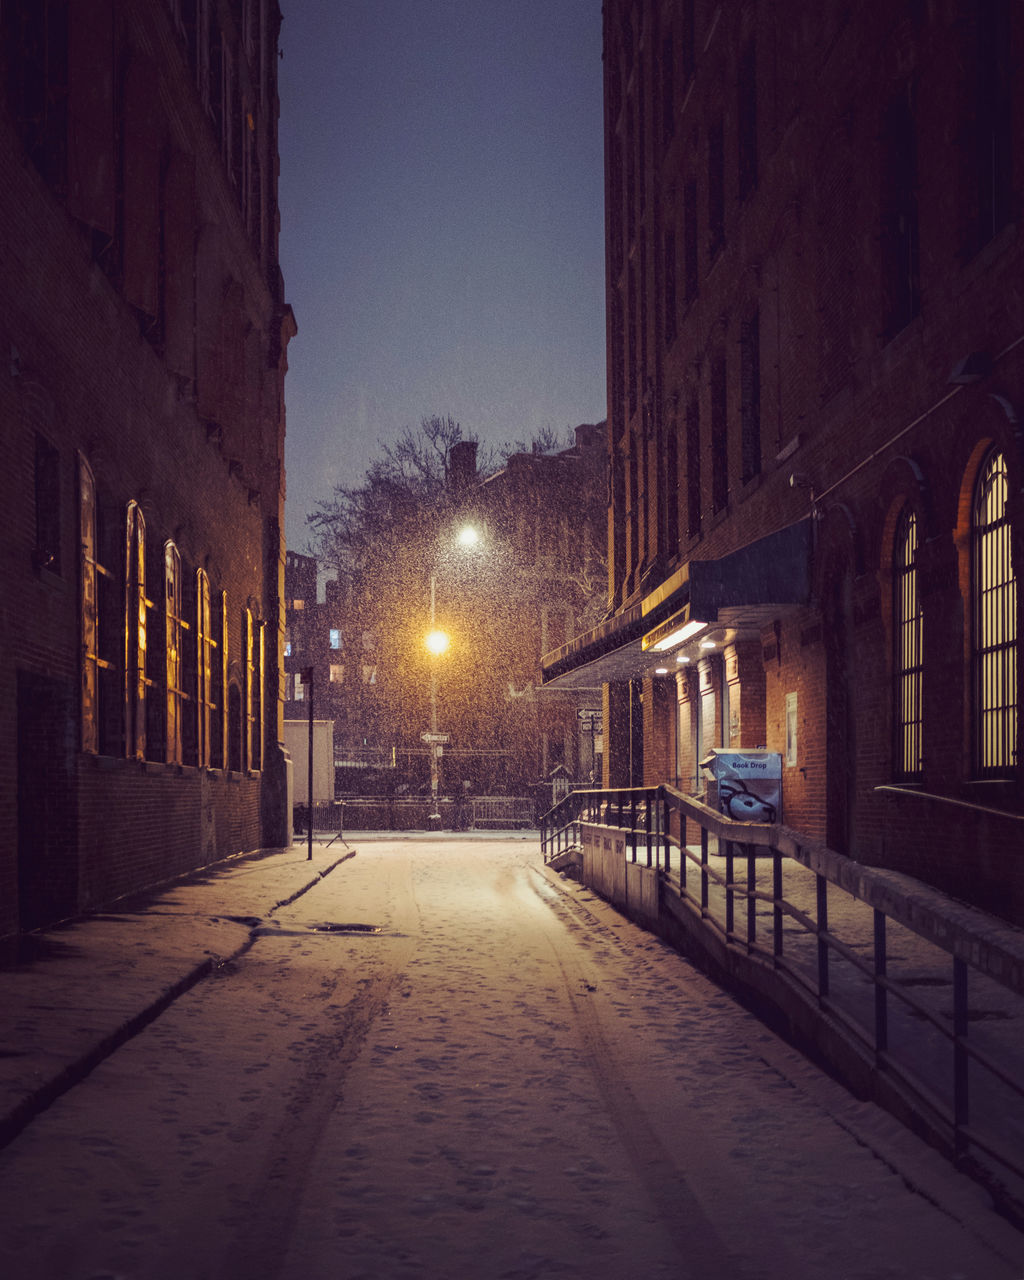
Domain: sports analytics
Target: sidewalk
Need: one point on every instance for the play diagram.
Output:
(76, 992)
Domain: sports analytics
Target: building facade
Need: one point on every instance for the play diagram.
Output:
(144, 332)
(815, 373)
(524, 587)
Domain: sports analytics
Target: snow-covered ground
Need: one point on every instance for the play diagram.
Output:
(500, 1077)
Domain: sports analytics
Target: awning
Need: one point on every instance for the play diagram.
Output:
(739, 593)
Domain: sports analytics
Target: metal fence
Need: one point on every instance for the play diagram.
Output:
(929, 991)
(385, 813)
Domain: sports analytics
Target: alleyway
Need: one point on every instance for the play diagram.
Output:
(493, 1075)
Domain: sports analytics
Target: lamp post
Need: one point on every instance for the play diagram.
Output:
(437, 643)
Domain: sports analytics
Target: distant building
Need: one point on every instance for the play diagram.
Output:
(143, 332)
(527, 586)
(815, 386)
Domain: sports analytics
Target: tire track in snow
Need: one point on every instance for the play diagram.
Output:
(702, 1250)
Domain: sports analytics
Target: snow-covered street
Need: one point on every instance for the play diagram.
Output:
(486, 1073)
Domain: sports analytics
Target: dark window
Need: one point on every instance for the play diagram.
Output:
(670, 285)
(908, 657)
(47, 486)
(693, 476)
(747, 120)
(719, 435)
(634, 501)
(616, 229)
(672, 488)
(618, 405)
(688, 40)
(900, 267)
(690, 240)
(630, 175)
(35, 56)
(632, 303)
(716, 187)
(668, 91)
(993, 117)
(750, 396)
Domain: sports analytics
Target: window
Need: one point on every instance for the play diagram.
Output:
(750, 397)
(993, 118)
(287, 648)
(252, 639)
(175, 628)
(792, 730)
(100, 626)
(668, 90)
(631, 335)
(137, 607)
(47, 484)
(219, 683)
(688, 40)
(995, 623)
(670, 286)
(719, 436)
(298, 688)
(34, 46)
(716, 187)
(900, 266)
(206, 657)
(747, 116)
(335, 638)
(337, 673)
(672, 487)
(690, 240)
(693, 476)
(908, 657)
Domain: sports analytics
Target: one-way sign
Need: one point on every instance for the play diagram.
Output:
(435, 737)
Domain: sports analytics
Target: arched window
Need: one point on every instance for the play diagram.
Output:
(907, 663)
(137, 605)
(206, 671)
(90, 606)
(175, 627)
(994, 600)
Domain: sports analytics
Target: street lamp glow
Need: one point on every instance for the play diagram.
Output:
(468, 536)
(438, 641)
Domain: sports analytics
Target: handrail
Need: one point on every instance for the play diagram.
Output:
(655, 822)
(891, 790)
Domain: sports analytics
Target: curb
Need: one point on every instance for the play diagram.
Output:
(21, 1116)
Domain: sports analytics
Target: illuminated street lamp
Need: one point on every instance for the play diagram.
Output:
(437, 642)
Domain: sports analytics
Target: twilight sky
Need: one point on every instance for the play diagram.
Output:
(441, 225)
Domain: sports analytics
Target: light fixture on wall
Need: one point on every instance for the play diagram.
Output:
(685, 632)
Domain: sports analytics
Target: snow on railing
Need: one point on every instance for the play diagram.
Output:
(930, 991)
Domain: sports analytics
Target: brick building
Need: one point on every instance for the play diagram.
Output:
(144, 332)
(815, 367)
(526, 587)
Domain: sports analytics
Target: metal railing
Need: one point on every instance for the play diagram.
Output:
(929, 991)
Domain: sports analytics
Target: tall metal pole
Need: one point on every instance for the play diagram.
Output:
(434, 812)
(309, 780)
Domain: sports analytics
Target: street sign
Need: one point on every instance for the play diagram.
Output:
(435, 737)
(584, 714)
